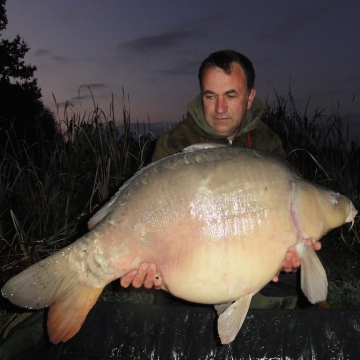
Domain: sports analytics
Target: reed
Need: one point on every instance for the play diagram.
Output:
(49, 190)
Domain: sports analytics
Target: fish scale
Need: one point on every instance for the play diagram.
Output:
(216, 221)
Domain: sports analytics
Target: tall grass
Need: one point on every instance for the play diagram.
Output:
(318, 145)
(49, 189)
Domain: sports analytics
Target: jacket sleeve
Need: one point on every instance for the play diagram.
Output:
(161, 148)
(175, 140)
(276, 147)
(267, 140)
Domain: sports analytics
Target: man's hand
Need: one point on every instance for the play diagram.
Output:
(146, 275)
(292, 261)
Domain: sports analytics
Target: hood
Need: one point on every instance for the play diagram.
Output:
(196, 116)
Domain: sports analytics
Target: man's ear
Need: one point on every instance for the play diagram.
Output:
(251, 97)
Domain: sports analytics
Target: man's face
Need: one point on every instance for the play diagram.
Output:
(225, 99)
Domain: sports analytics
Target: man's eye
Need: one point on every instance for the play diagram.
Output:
(209, 97)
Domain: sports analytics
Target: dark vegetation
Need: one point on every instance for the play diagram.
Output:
(21, 108)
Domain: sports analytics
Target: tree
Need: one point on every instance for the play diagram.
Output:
(20, 96)
(3, 18)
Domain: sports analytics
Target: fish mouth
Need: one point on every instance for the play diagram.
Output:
(352, 214)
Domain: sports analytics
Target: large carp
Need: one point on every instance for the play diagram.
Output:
(217, 223)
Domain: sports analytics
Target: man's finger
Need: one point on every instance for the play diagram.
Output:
(276, 277)
(127, 279)
(288, 261)
(149, 279)
(140, 276)
(158, 282)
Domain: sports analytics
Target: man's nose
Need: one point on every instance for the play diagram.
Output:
(221, 105)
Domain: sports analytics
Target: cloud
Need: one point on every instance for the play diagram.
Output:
(173, 38)
(42, 52)
(79, 98)
(91, 91)
(96, 86)
(56, 58)
(181, 68)
(296, 21)
(169, 52)
(157, 42)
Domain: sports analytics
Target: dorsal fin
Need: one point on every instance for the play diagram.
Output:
(105, 209)
(204, 146)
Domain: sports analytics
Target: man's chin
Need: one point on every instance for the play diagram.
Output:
(221, 130)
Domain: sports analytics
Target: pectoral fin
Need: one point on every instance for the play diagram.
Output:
(313, 277)
(221, 308)
(232, 317)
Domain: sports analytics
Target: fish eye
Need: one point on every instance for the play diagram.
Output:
(334, 199)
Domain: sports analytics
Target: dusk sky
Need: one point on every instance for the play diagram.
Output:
(153, 50)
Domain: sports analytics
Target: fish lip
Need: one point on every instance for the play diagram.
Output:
(351, 217)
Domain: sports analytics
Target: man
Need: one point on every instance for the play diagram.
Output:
(226, 112)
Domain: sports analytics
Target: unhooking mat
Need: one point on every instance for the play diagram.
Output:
(138, 331)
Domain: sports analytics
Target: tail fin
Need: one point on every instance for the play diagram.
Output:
(50, 283)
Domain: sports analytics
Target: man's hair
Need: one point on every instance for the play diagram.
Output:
(223, 59)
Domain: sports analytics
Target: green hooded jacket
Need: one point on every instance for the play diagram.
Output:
(194, 130)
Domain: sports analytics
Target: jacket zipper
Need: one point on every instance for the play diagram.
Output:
(248, 140)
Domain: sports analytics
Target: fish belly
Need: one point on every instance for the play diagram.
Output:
(213, 238)
(215, 271)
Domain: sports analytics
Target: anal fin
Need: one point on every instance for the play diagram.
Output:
(232, 317)
(69, 311)
(313, 277)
